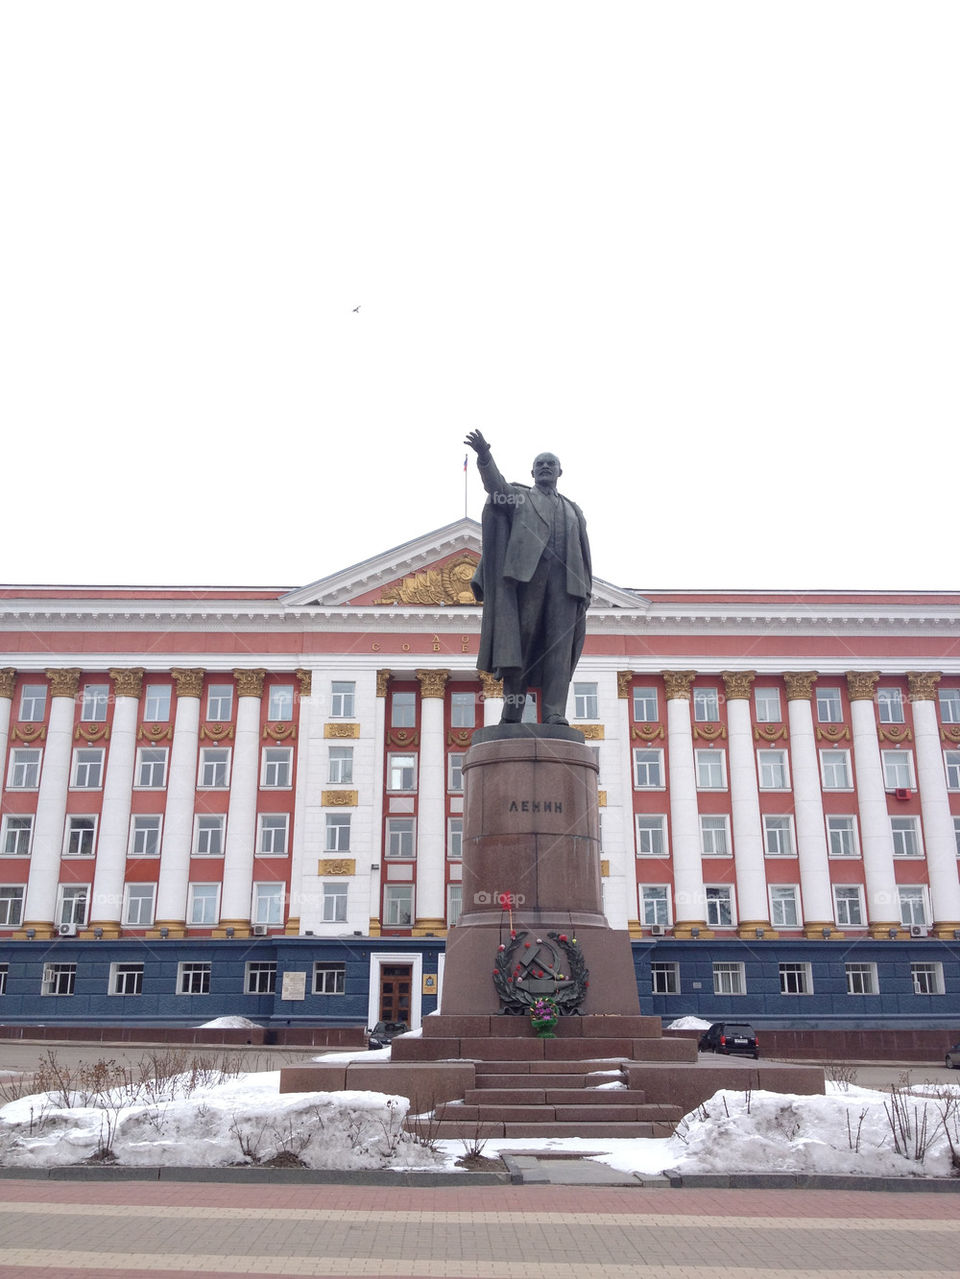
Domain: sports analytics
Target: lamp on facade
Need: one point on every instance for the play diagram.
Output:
(228, 932)
(164, 932)
(892, 933)
(759, 934)
(31, 933)
(694, 932)
(826, 933)
(956, 934)
(98, 933)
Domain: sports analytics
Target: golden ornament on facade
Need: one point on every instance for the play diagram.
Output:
(432, 683)
(189, 682)
(155, 732)
(922, 685)
(279, 732)
(769, 732)
(861, 685)
(709, 732)
(249, 683)
(305, 680)
(492, 687)
(8, 680)
(738, 684)
(592, 732)
(894, 733)
(624, 683)
(64, 683)
(460, 737)
(216, 732)
(601, 799)
(604, 868)
(339, 798)
(799, 685)
(91, 732)
(404, 737)
(383, 679)
(678, 684)
(448, 584)
(337, 866)
(128, 681)
(336, 729)
(29, 732)
(647, 732)
(833, 733)
(950, 733)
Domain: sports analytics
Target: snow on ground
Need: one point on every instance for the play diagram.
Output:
(229, 1023)
(689, 1023)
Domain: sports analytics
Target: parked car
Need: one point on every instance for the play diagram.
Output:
(730, 1037)
(952, 1059)
(384, 1031)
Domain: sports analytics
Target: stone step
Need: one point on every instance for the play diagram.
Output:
(456, 1112)
(550, 1050)
(469, 1131)
(596, 1027)
(584, 1066)
(565, 1097)
(538, 1081)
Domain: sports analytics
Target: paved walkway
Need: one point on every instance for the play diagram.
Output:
(60, 1230)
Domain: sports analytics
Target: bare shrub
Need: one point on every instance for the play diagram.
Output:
(841, 1073)
(908, 1123)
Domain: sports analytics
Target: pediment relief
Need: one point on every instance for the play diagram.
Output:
(448, 584)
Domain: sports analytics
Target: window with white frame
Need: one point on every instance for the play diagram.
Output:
(81, 835)
(785, 905)
(835, 770)
(455, 771)
(145, 835)
(11, 905)
(772, 770)
(193, 977)
(729, 978)
(951, 764)
(711, 769)
(334, 902)
(274, 828)
(654, 905)
(403, 710)
(125, 979)
(210, 834)
(796, 978)
(220, 703)
(906, 837)
(88, 767)
(276, 770)
(778, 835)
(890, 705)
(401, 839)
(842, 835)
(897, 769)
(24, 771)
(645, 706)
(72, 904)
(59, 979)
(203, 905)
(651, 834)
(340, 765)
(664, 978)
(260, 977)
(714, 835)
(268, 904)
(33, 703)
(138, 901)
(647, 768)
(280, 702)
(706, 705)
(156, 703)
(398, 905)
(913, 907)
(329, 979)
(454, 904)
(463, 710)
(4, 972)
(861, 979)
(214, 767)
(342, 697)
(949, 699)
(585, 702)
(829, 705)
(956, 833)
(337, 833)
(848, 905)
(401, 772)
(455, 837)
(17, 834)
(766, 700)
(94, 701)
(719, 906)
(151, 771)
(927, 978)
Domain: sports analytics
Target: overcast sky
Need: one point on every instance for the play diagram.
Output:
(708, 253)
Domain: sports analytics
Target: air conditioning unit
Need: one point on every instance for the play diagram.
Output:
(657, 930)
(902, 792)
(67, 930)
(259, 930)
(918, 930)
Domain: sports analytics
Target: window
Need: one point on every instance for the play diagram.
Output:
(203, 905)
(340, 771)
(88, 767)
(913, 911)
(784, 906)
(455, 771)
(138, 905)
(956, 833)
(729, 978)
(772, 768)
(145, 835)
(260, 977)
(152, 767)
(273, 834)
(778, 835)
(890, 705)
(280, 702)
(398, 905)
(585, 701)
(463, 710)
(193, 978)
(665, 979)
(401, 772)
(73, 904)
(81, 836)
(861, 979)
(33, 703)
(842, 835)
(720, 906)
(403, 710)
(277, 767)
(706, 705)
(897, 769)
(156, 703)
(848, 905)
(829, 706)
(400, 837)
(211, 833)
(951, 763)
(796, 979)
(654, 905)
(647, 769)
(59, 979)
(219, 702)
(329, 979)
(17, 834)
(711, 769)
(342, 698)
(334, 903)
(767, 703)
(454, 904)
(338, 833)
(126, 979)
(455, 837)
(906, 837)
(927, 978)
(645, 709)
(24, 768)
(714, 835)
(214, 767)
(4, 970)
(949, 699)
(835, 768)
(651, 836)
(94, 702)
(268, 904)
(11, 905)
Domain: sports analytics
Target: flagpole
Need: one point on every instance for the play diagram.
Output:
(465, 456)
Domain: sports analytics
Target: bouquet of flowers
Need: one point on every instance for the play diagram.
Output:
(544, 1015)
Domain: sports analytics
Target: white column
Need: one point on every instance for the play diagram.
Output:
(181, 796)
(376, 847)
(938, 833)
(8, 679)
(883, 902)
(753, 911)
(305, 750)
(812, 849)
(690, 905)
(41, 903)
(107, 903)
(492, 698)
(431, 819)
(237, 890)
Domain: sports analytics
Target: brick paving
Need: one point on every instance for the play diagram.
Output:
(52, 1230)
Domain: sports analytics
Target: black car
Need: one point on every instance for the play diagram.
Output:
(730, 1037)
(952, 1059)
(384, 1031)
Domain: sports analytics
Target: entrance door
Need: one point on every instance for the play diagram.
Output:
(396, 983)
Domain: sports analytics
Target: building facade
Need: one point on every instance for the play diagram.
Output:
(250, 801)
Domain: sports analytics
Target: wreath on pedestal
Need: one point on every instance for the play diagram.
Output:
(546, 968)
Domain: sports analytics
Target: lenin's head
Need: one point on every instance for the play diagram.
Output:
(546, 469)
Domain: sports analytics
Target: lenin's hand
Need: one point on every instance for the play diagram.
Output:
(478, 444)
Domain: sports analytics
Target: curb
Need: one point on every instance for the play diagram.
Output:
(258, 1176)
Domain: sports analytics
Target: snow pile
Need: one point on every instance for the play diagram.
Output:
(689, 1023)
(229, 1023)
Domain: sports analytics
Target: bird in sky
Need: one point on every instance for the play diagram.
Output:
(356, 309)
